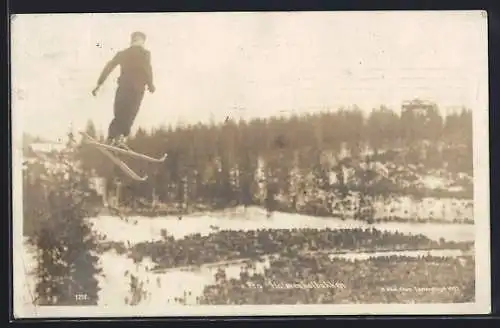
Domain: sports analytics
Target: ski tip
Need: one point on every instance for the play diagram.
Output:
(139, 178)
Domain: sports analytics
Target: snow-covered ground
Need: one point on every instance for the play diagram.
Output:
(447, 209)
(365, 255)
(163, 286)
(136, 229)
(410, 209)
(24, 289)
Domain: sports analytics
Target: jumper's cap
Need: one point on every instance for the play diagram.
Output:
(138, 35)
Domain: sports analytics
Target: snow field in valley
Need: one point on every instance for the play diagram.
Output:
(164, 287)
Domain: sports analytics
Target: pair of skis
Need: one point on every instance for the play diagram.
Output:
(108, 151)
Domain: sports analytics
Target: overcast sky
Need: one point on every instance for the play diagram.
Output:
(212, 65)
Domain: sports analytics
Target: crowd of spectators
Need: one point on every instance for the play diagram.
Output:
(227, 245)
(317, 279)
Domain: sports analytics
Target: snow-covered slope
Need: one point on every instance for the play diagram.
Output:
(183, 285)
(137, 229)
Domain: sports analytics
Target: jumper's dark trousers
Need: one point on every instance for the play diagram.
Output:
(128, 100)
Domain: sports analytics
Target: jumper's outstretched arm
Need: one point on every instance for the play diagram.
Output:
(110, 66)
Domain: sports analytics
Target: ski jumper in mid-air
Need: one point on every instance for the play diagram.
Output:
(136, 74)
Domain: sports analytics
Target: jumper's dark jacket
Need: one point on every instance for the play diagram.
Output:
(136, 73)
(135, 64)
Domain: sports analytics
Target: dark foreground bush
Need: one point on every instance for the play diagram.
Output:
(57, 199)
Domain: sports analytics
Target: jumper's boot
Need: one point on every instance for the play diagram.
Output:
(122, 143)
(118, 142)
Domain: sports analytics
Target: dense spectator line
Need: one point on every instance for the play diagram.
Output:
(229, 245)
(394, 279)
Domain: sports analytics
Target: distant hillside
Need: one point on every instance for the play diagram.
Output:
(29, 139)
(31, 143)
(254, 162)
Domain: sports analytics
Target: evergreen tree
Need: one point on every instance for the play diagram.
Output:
(56, 214)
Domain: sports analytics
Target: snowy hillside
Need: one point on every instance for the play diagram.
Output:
(136, 229)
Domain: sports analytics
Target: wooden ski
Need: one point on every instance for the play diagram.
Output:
(124, 167)
(88, 139)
